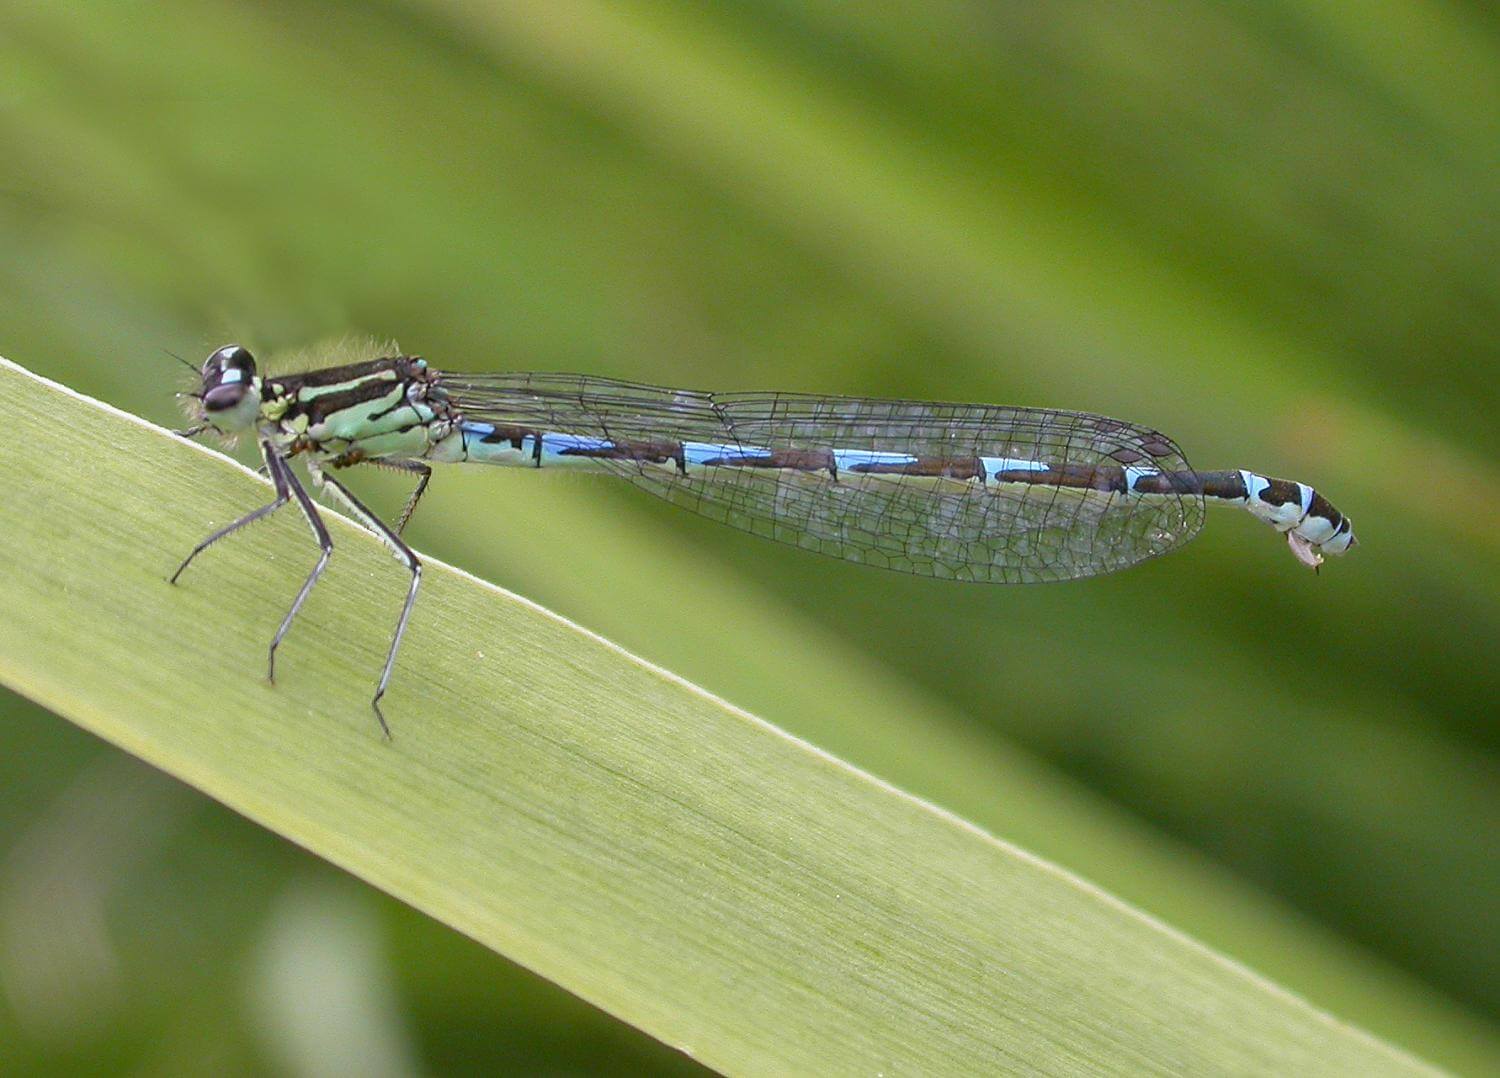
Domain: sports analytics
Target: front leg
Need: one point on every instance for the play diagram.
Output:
(283, 493)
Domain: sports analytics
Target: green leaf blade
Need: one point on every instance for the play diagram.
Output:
(681, 864)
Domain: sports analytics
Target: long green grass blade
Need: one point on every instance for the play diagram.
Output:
(681, 864)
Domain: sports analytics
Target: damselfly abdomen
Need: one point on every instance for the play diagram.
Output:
(966, 492)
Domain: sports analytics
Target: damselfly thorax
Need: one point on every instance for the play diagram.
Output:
(979, 493)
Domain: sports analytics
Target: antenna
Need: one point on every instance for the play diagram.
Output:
(184, 362)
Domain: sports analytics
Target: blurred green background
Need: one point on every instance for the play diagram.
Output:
(1269, 229)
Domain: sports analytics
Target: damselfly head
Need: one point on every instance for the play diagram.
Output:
(230, 395)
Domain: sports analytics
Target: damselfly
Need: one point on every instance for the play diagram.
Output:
(966, 492)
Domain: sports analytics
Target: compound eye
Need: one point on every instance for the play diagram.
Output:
(232, 363)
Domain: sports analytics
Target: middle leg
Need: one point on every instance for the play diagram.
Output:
(405, 555)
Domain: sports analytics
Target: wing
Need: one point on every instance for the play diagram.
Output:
(967, 492)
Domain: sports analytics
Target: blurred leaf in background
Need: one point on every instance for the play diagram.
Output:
(1267, 229)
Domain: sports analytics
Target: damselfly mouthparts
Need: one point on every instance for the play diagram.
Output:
(966, 492)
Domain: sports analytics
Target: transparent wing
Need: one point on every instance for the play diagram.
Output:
(937, 524)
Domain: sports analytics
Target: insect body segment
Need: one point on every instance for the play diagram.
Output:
(965, 492)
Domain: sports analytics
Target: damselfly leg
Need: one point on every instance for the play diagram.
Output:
(424, 472)
(283, 495)
(325, 545)
(404, 554)
(287, 487)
